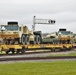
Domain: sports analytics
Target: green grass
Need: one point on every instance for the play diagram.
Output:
(39, 68)
(69, 54)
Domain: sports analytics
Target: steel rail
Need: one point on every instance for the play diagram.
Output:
(37, 58)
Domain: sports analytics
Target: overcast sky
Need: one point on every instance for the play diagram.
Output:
(63, 11)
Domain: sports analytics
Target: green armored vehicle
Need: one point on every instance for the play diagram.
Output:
(51, 38)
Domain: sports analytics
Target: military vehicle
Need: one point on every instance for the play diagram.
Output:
(13, 33)
(65, 36)
(51, 38)
(62, 36)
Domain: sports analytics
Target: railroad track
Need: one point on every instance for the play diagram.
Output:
(38, 52)
(46, 55)
(37, 58)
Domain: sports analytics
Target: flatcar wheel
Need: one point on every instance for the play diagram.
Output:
(13, 51)
(23, 50)
(18, 51)
(7, 52)
(53, 50)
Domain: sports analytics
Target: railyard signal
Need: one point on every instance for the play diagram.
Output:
(42, 21)
(51, 21)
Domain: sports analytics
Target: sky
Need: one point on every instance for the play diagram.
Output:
(23, 11)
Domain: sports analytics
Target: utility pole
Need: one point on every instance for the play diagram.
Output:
(34, 23)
